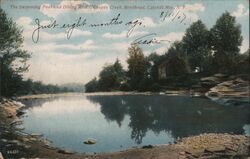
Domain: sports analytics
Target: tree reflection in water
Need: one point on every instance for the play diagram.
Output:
(180, 115)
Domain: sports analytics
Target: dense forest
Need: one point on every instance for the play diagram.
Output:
(201, 52)
(13, 63)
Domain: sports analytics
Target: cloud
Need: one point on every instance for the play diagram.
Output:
(161, 50)
(191, 10)
(197, 7)
(122, 34)
(120, 46)
(50, 65)
(87, 45)
(50, 47)
(46, 37)
(67, 6)
(241, 11)
(24, 21)
(173, 36)
(58, 68)
(245, 46)
(148, 22)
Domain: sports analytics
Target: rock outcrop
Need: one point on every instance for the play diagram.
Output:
(231, 92)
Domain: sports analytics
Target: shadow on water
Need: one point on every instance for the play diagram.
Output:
(182, 116)
(141, 119)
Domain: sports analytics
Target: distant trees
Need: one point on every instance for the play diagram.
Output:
(36, 87)
(13, 63)
(226, 39)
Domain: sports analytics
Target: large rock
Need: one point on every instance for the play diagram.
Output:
(210, 81)
(233, 92)
(90, 141)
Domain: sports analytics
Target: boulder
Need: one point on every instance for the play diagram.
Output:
(233, 92)
(90, 141)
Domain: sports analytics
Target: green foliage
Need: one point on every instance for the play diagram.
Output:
(111, 77)
(137, 66)
(154, 59)
(10, 81)
(13, 63)
(211, 51)
(196, 45)
(91, 86)
(225, 40)
(242, 65)
(176, 62)
(125, 87)
(155, 87)
(176, 66)
(10, 54)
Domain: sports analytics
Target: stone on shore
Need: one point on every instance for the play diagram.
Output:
(90, 141)
(234, 92)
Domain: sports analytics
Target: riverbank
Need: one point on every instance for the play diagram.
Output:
(16, 144)
(117, 93)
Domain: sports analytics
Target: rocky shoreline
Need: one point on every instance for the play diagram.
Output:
(14, 143)
(231, 92)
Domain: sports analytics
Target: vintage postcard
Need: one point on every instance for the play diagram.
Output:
(127, 79)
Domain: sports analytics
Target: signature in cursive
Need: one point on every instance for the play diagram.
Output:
(149, 39)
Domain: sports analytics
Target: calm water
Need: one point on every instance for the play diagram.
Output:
(121, 122)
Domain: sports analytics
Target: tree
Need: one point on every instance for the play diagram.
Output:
(196, 45)
(12, 57)
(119, 72)
(243, 63)
(111, 77)
(226, 39)
(176, 62)
(153, 60)
(137, 66)
(91, 86)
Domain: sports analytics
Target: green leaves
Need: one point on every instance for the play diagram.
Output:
(137, 66)
(226, 40)
(196, 45)
(110, 78)
(12, 57)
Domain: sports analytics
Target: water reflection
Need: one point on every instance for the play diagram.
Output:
(182, 116)
(120, 122)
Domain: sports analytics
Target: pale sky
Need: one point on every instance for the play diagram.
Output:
(58, 60)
